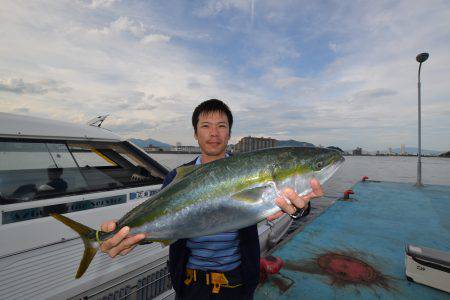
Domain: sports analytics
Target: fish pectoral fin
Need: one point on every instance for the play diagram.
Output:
(164, 242)
(251, 195)
(146, 242)
(149, 241)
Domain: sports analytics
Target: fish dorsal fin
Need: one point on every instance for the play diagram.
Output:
(251, 195)
(184, 171)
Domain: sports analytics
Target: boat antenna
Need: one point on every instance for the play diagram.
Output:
(97, 121)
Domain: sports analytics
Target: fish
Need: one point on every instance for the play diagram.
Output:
(223, 195)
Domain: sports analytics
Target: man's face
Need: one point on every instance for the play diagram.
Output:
(213, 133)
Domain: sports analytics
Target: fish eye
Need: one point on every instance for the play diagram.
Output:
(319, 165)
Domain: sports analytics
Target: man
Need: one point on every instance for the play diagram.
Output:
(224, 265)
(56, 183)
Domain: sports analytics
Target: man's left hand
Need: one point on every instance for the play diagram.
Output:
(296, 200)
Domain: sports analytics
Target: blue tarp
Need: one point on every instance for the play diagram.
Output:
(369, 233)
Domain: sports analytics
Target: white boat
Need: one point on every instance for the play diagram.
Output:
(92, 175)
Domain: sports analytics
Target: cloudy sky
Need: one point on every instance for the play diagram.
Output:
(328, 72)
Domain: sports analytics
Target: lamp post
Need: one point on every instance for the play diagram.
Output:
(420, 59)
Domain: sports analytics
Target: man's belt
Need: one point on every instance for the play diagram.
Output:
(216, 279)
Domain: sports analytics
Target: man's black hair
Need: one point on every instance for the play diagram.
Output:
(211, 106)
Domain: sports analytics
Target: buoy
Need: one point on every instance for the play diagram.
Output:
(347, 194)
(364, 178)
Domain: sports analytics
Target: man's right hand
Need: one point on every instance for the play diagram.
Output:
(121, 243)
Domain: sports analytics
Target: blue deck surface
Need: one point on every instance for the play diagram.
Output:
(373, 228)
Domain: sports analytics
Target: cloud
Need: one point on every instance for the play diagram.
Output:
(333, 46)
(334, 73)
(19, 86)
(21, 110)
(127, 101)
(214, 7)
(125, 126)
(99, 3)
(375, 93)
(284, 78)
(155, 38)
(122, 25)
(372, 97)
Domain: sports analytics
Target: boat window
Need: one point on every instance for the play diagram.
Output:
(112, 161)
(33, 170)
(90, 157)
(37, 170)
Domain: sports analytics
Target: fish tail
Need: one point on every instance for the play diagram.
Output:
(87, 235)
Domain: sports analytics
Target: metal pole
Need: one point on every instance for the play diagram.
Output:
(419, 150)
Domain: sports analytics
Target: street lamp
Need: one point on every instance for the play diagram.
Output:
(420, 59)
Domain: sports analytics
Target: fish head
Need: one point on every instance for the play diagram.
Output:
(325, 163)
(307, 162)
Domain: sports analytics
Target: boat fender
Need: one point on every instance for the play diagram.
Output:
(347, 194)
(271, 264)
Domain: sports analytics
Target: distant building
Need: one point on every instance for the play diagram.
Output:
(390, 151)
(181, 148)
(357, 151)
(445, 154)
(151, 148)
(402, 149)
(250, 143)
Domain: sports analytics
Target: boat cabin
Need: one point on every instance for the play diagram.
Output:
(86, 172)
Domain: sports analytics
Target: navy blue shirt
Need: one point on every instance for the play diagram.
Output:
(216, 252)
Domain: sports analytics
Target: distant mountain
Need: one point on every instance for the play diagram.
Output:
(413, 150)
(145, 143)
(293, 143)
